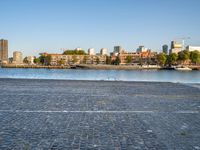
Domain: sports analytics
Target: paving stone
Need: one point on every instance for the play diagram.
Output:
(97, 115)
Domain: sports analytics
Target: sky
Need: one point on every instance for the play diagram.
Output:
(35, 26)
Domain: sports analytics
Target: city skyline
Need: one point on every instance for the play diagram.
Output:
(52, 25)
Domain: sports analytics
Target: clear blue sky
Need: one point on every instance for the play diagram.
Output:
(34, 26)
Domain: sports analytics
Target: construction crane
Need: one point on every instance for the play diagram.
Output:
(183, 41)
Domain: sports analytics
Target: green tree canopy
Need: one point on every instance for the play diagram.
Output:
(48, 60)
(183, 56)
(172, 58)
(117, 61)
(42, 59)
(36, 60)
(195, 57)
(129, 59)
(97, 60)
(25, 60)
(74, 52)
(45, 60)
(161, 58)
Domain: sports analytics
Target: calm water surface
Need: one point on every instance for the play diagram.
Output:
(119, 75)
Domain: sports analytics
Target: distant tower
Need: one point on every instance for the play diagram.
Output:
(17, 57)
(141, 49)
(91, 51)
(175, 47)
(165, 49)
(104, 51)
(3, 51)
(117, 49)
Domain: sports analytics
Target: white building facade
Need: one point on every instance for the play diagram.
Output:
(17, 57)
(193, 48)
(91, 51)
(104, 51)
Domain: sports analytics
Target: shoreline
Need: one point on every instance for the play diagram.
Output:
(84, 67)
(96, 67)
(103, 81)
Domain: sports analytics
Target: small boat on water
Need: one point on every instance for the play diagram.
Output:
(182, 68)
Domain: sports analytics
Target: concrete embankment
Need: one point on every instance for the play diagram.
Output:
(97, 67)
(115, 67)
(35, 66)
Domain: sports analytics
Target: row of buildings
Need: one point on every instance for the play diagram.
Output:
(177, 47)
(17, 55)
(141, 55)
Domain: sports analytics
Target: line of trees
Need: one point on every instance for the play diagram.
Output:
(183, 57)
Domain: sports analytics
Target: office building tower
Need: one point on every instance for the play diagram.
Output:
(3, 51)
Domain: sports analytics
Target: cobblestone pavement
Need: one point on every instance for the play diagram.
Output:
(97, 115)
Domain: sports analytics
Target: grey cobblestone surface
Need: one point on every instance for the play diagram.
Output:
(84, 115)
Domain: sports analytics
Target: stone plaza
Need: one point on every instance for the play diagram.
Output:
(98, 115)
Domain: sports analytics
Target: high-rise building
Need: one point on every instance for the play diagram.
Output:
(91, 51)
(165, 49)
(17, 57)
(193, 48)
(117, 49)
(142, 49)
(175, 47)
(104, 51)
(3, 51)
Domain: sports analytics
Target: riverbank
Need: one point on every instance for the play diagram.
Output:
(116, 67)
(97, 67)
(128, 67)
(83, 66)
(34, 66)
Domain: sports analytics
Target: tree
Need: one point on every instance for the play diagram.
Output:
(117, 61)
(42, 59)
(108, 60)
(74, 52)
(129, 59)
(183, 56)
(25, 60)
(97, 60)
(36, 60)
(195, 57)
(149, 61)
(161, 58)
(48, 60)
(172, 58)
(45, 60)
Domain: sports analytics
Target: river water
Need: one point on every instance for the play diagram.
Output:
(111, 75)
